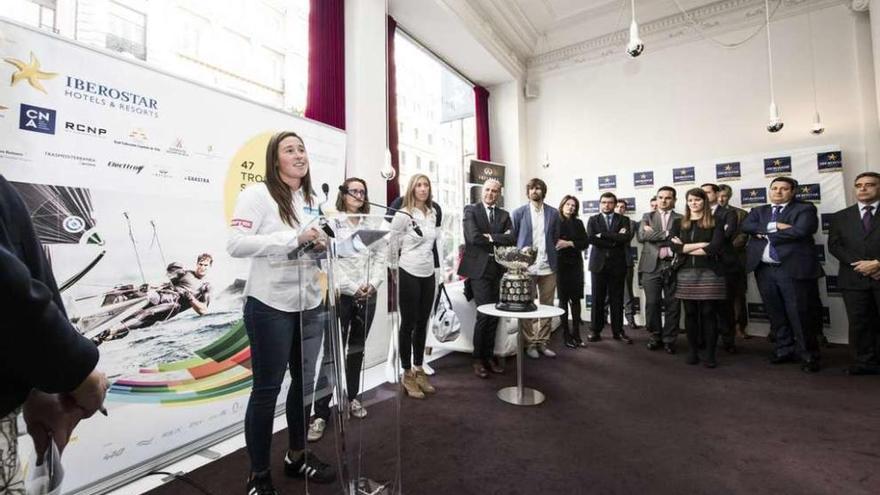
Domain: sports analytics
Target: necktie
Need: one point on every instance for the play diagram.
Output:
(772, 251)
(608, 221)
(664, 251)
(491, 215)
(867, 217)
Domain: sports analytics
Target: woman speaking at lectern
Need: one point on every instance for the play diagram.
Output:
(283, 315)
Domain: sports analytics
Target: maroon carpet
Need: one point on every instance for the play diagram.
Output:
(618, 419)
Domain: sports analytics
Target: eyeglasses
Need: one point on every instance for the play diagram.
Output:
(360, 193)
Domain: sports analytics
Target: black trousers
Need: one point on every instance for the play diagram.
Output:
(569, 291)
(700, 323)
(485, 291)
(416, 300)
(659, 299)
(629, 300)
(863, 311)
(795, 311)
(355, 319)
(607, 284)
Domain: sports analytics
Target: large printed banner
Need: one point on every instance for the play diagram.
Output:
(127, 171)
(816, 169)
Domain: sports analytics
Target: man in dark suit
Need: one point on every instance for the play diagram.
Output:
(656, 230)
(46, 367)
(609, 233)
(629, 300)
(485, 226)
(536, 224)
(782, 254)
(724, 216)
(737, 283)
(855, 241)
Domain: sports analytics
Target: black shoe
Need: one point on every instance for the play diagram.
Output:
(810, 366)
(623, 338)
(261, 485)
(669, 348)
(788, 358)
(580, 342)
(310, 467)
(654, 345)
(594, 337)
(571, 343)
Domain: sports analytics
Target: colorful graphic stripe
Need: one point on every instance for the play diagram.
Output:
(218, 371)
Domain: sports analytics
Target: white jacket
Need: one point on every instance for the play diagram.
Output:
(256, 231)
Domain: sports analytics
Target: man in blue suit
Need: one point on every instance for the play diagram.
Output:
(782, 254)
(537, 225)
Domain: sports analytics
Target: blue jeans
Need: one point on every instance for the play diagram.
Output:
(280, 340)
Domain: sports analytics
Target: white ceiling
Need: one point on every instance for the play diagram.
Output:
(493, 41)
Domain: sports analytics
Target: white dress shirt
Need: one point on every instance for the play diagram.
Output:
(416, 252)
(541, 266)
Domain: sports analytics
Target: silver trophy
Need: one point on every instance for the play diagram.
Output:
(515, 293)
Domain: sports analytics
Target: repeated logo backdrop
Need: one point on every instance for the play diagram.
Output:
(125, 170)
(817, 170)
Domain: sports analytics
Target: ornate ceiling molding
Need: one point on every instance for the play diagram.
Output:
(478, 24)
(714, 19)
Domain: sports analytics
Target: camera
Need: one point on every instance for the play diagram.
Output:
(774, 126)
(634, 49)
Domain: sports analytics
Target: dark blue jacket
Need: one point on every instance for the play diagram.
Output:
(522, 229)
(795, 246)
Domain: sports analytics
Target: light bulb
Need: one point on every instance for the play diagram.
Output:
(818, 127)
(635, 47)
(775, 124)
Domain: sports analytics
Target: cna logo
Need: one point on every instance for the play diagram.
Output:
(125, 166)
(85, 129)
(29, 72)
(36, 119)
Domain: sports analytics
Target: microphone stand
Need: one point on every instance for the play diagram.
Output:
(415, 225)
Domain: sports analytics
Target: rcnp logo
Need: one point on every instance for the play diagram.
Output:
(86, 129)
(37, 119)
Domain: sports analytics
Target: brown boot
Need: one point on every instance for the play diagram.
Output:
(410, 385)
(422, 382)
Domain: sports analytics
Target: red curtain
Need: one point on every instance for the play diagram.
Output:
(392, 187)
(325, 100)
(481, 107)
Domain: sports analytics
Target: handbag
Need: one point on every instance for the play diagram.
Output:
(445, 323)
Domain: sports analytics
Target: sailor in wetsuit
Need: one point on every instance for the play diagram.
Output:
(185, 290)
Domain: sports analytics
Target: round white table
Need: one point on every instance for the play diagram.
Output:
(520, 395)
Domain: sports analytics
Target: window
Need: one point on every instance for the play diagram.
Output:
(402, 158)
(256, 48)
(442, 109)
(126, 30)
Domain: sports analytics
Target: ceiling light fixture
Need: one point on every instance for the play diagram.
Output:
(818, 127)
(635, 47)
(775, 124)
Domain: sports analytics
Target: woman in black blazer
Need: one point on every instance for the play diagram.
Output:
(570, 276)
(700, 283)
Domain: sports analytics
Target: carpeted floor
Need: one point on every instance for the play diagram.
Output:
(618, 419)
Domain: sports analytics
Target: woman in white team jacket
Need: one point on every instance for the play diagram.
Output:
(283, 315)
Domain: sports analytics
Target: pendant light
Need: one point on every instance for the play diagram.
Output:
(635, 47)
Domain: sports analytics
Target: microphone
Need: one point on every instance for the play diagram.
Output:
(415, 225)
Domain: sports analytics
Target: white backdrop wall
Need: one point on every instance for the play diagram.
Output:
(697, 101)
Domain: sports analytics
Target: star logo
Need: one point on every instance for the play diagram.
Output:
(832, 157)
(29, 72)
(805, 189)
(777, 162)
(644, 176)
(728, 168)
(753, 194)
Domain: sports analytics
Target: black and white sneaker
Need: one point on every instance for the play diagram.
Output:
(309, 467)
(261, 485)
